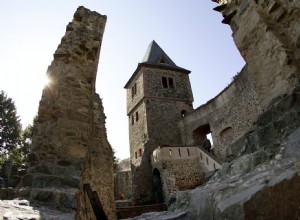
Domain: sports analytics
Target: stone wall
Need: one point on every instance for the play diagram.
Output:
(70, 147)
(267, 35)
(98, 169)
(228, 116)
(179, 169)
(123, 180)
(182, 167)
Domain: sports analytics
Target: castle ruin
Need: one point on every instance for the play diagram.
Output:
(254, 124)
(166, 133)
(70, 151)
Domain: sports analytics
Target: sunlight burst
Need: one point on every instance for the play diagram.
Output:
(47, 80)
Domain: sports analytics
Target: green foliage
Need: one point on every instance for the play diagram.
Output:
(116, 162)
(10, 126)
(15, 144)
(26, 137)
(128, 195)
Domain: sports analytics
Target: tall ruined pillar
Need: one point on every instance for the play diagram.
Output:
(70, 148)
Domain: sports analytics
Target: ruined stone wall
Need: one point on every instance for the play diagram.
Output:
(70, 146)
(267, 35)
(123, 180)
(229, 115)
(98, 168)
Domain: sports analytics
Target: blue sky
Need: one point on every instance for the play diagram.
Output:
(190, 32)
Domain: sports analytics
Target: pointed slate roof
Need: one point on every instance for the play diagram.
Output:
(156, 55)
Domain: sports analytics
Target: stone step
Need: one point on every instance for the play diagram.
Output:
(38, 180)
(61, 198)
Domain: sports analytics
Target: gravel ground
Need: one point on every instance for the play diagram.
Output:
(22, 210)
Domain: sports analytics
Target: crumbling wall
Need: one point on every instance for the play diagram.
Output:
(98, 169)
(267, 35)
(70, 147)
(123, 180)
(229, 115)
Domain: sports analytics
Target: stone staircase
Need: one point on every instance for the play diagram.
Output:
(52, 184)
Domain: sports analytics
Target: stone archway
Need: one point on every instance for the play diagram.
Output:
(200, 133)
(157, 187)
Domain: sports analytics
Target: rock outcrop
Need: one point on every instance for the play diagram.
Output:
(70, 148)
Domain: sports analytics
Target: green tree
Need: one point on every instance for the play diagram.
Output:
(10, 126)
(26, 137)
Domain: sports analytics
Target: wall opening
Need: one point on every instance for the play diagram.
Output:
(157, 187)
(201, 135)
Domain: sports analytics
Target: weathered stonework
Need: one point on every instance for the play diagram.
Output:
(267, 35)
(123, 180)
(153, 104)
(179, 168)
(70, 148)
(254, 121)
(229, 115)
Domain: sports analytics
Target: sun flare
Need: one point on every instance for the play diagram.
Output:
(47, 81)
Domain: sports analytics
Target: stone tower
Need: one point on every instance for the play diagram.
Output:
(158, 95)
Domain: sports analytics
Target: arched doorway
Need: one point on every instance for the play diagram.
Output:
(157, 187)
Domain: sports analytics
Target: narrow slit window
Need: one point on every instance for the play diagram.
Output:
(135, 154)
(188, 152)
(207, 160)
(136, 116)
(170, 153)
(132, 120)
(179, 152)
